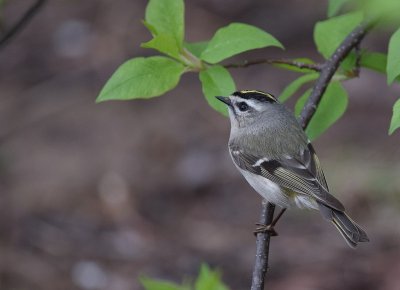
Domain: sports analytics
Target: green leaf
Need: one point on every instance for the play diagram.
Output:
(395, 122)
(216, 81)
(142, 78)
(165, 20)
(334, 6)
(301, 102)
(393, 60)
(332, 106)
(150, 284)
(349, 62)
(209, 280)
(150, 27)
(329, 34)
(374, 60)
(165, 44)
(167, 17)
(387, 11)
(234, 39)
(196, 48)
(295, 85)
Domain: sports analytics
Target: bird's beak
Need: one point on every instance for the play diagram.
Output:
(225, 100)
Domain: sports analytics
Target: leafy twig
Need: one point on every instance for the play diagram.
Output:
(311, 66)
(327, 71)
(24, 20)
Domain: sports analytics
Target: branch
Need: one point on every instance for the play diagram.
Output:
(262, 247)
(311, 66)
(21, 23)
(327, 71)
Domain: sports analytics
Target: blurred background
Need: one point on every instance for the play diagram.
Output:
(94, 195)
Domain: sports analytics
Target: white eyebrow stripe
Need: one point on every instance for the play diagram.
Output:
(255, 104)
(260, 161)
(236, 99)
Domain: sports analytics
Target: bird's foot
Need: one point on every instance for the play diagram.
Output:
(262, 228)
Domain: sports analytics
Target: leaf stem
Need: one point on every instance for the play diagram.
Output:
(191, 61)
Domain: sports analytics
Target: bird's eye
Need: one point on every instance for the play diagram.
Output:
(243, 106)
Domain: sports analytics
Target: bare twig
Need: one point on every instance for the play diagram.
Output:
(24, 20)
(311, 66)
(327, 71)
(262, 247)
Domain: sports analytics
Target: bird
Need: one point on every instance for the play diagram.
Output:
(271, 150)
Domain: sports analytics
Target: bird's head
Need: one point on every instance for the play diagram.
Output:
(248, 106)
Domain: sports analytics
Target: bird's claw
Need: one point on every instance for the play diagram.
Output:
(262, 228)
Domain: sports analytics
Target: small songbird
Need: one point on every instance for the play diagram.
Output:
(273, 153)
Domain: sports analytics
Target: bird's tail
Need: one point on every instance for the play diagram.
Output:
(351, 232)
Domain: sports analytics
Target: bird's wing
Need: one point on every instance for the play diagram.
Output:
(302, 174)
